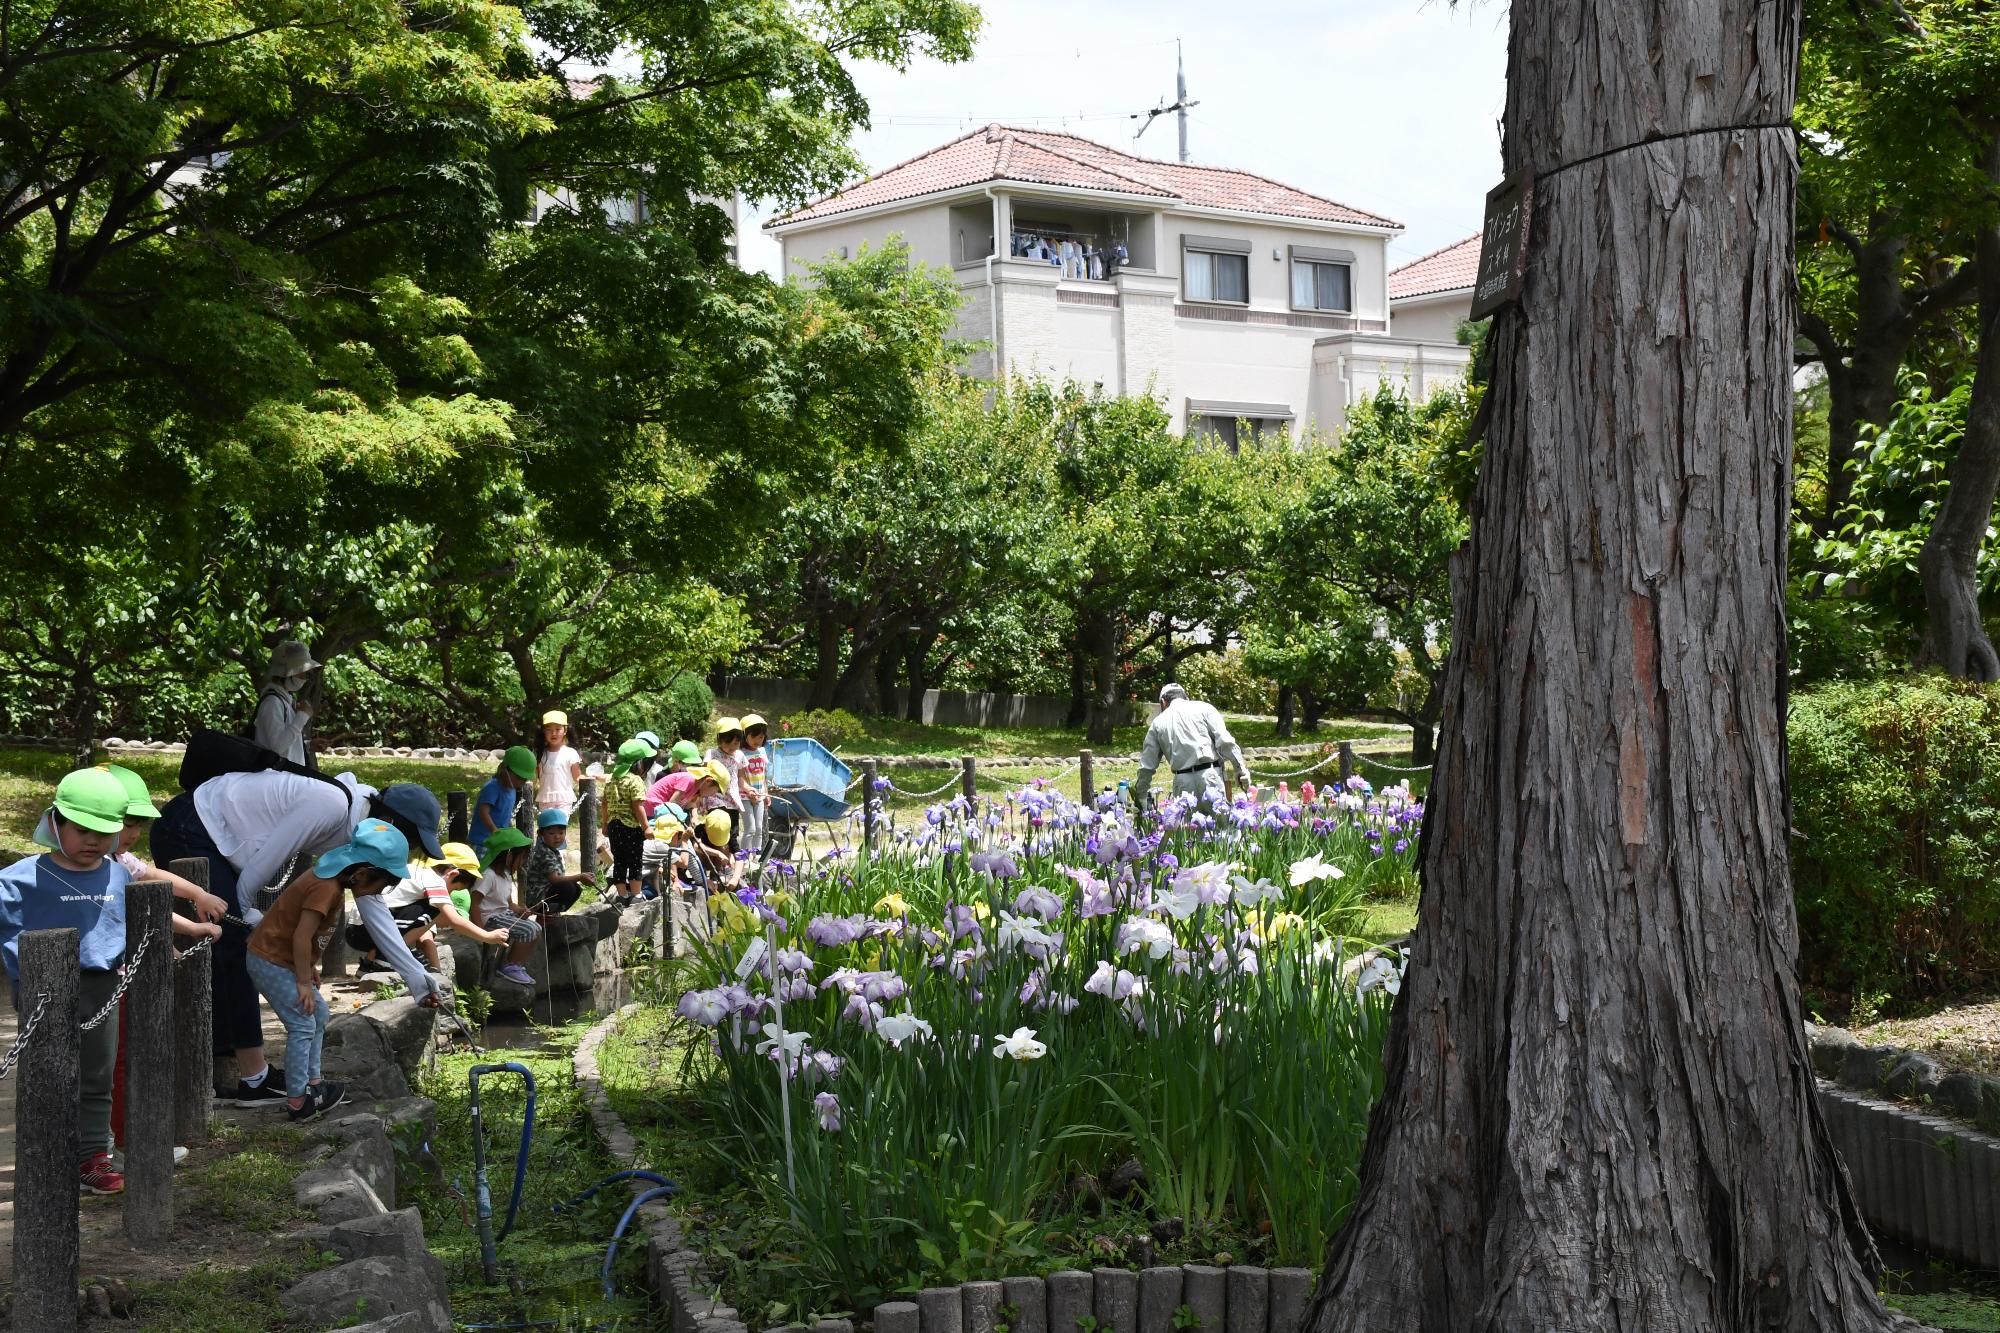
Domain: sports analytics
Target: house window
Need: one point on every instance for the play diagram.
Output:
(1215, 269)
(1236, 424)
(1322, 279)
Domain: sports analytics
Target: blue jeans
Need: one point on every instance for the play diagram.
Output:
(305, 1034)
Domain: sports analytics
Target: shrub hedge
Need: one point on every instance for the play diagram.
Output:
(1896, 803)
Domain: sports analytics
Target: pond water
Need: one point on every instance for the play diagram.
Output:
(523, 1031)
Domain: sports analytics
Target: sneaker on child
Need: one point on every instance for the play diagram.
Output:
(515, 973)
(96, 1175)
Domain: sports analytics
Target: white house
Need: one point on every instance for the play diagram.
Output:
(1430, 297)
(1229, 296)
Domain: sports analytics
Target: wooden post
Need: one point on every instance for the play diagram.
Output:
(1086, 776)
(869, 773)
(524, 815)
(194, 1003)
(1346, 762)
(47, 1140)
(969, 782)
(586, 826)
(458, 820)
(149, 1064)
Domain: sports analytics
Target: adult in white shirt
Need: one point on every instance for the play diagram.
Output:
(1195, 743)
(281, 718)
(249, 827)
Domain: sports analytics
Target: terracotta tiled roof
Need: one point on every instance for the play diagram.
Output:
(1046, 157)
(1446, 270)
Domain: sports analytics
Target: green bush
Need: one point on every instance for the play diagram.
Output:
(679, 712)
(831, 727)
(1896, 802)
(1226, 680)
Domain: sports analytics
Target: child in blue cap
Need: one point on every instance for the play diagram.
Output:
(285, 948)
(546, 886)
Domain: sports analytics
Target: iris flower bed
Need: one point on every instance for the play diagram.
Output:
(923, 1059)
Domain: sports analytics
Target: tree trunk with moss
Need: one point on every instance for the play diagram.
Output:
(1599, 1111)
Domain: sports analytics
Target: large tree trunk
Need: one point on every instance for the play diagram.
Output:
(1861, 387)
(1599, 1111)
(1955, 635)
(827, 632)
(1079, 681)
(916, 666)
(1284, 712)
(1100, 637)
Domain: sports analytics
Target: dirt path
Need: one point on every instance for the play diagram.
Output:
(105, 1252)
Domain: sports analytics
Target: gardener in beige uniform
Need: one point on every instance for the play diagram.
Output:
(1194, 740)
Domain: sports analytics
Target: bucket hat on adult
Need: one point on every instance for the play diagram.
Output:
(290, 658)
(416, 806)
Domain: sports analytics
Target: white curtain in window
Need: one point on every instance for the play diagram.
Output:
(1212, 277)
(1321, 286)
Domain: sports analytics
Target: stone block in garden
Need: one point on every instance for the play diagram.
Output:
(335, 1195)
(1247, 1299)
(1117, 1299)
(571, 967)
(515, 995)
(1070, 1300)
(1829, 1047)
(395, 1323)
(1028, 1299)
(1863, 1066)
(370, 1157)
(1201, 1292)
(397, 1235)
(368, 1287)
(580, 926)
(941, 1310)
(897, 1317)
(982, 1306)
(1912, 1075)
(834, 1326)
(357, 1053)
(408, 1029)
(1159, 1297)
(1291, 1292)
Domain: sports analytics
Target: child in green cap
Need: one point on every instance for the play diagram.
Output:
(495, 807)
(78, 885)
(623, 815)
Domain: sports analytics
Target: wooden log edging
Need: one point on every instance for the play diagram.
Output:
(1926, 1180)
(1241, 1299)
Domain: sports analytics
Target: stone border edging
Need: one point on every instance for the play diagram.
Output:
(671, 1265)
(1841, 1057)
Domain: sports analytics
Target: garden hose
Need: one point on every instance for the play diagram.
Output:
(487, 1240)
(611, 1252)
(652, 1176)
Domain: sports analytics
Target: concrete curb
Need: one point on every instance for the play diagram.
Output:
(673, 1268)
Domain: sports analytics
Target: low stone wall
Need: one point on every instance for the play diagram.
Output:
(386, 1273)
(575, 949)
(1841, 1057)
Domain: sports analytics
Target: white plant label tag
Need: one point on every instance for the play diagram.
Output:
(752, 956)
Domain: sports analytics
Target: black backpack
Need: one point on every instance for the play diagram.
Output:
(211, 753)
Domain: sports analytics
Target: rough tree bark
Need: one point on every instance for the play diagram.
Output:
(1599, 1111)
(1955, 634)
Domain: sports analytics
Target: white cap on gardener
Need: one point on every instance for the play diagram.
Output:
(1170, 691)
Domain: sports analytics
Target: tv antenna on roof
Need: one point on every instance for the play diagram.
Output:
(1180, 105)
